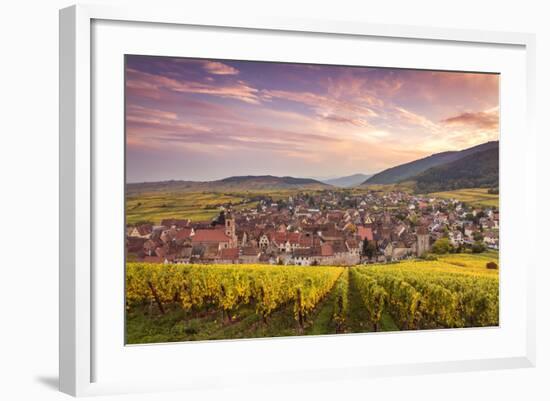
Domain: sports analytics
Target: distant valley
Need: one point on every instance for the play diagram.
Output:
(348, 181)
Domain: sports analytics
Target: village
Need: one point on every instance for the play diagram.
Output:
(327, 227)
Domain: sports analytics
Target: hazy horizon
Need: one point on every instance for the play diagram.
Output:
(203, 120)
(249, 175)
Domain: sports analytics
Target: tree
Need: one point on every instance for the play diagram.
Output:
(478, 247)
(442, 246)
(369, 248)
(478, 236)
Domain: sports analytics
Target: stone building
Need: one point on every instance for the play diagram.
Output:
(422, 241)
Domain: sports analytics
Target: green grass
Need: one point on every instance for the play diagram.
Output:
(322, 322)
(147, 325)
(472, 196)
(358, 320)
(405, 186)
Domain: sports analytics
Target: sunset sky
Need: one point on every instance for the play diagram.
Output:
(191, 119)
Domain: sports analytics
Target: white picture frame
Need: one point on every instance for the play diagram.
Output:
(79, 164)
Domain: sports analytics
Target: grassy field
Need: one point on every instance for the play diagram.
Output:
(405, 186)
(197, 206)
(146, 324)
(472, 196)
(155, 207)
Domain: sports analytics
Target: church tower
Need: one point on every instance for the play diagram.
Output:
(422, 241)
(230, 229)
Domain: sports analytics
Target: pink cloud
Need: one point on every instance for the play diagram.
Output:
(150, 85)
(481, 119)
(358, 122)
(409, 117)
(135, 110)
(217, 68)
(323, 105)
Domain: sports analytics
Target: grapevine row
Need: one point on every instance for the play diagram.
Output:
(340, 306)
(229, 287)
(419, 298)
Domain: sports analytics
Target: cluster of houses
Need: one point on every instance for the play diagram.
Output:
(324, 228)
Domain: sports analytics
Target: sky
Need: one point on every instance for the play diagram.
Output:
(202, 119)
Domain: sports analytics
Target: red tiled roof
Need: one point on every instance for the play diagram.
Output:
(183, 234)
(229, 253)
(250, 251)
(293, 238)
(365, 233)
(175, 222)
(326, 250)
(144, 229)
(210, 235)
(283, 237)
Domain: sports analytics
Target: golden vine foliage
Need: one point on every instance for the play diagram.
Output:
(230, 286)
(453, 291)
(434, 294)
(341, 300)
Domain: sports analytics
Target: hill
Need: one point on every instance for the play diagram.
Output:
(404, 172)
(348, 181)
(266, 182)
(477, 170)
(237, 183)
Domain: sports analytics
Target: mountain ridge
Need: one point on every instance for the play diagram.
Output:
(477, 170)
(241, 183)
(406, 171)
(348, 180)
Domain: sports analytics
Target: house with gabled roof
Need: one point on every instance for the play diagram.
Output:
(141, 231)
(365, 233)
(228, 256)
(213, 236)
(250, 255)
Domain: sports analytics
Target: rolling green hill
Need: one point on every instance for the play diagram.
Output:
(477, 170)
(407, 171)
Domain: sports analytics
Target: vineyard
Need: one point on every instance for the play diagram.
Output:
(201, 302)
